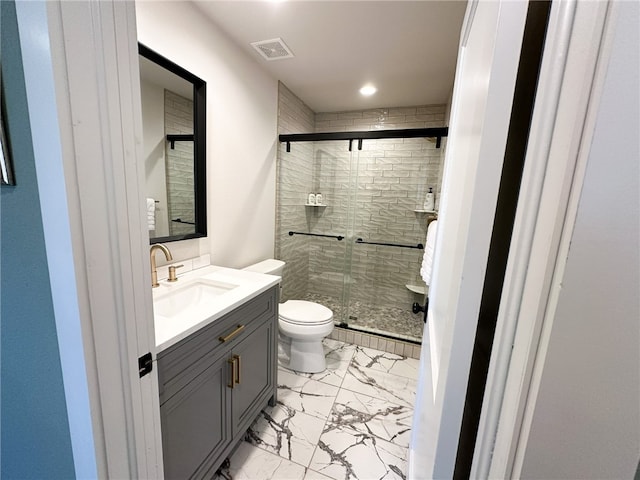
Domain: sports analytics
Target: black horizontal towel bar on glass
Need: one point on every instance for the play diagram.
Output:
(338, 237)
(418, 246)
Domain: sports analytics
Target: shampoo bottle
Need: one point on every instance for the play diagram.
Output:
(429, 201)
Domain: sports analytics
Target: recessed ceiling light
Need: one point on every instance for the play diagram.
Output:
(368, 90)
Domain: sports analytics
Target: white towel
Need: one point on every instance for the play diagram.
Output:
(151, 213)
(429, 249)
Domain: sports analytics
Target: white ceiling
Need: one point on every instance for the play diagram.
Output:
(407, 49)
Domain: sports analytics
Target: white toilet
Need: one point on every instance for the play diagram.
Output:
(302, 326)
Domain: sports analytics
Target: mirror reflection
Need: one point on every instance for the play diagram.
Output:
(173, 149)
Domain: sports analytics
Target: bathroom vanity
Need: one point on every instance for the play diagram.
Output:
(216, 378)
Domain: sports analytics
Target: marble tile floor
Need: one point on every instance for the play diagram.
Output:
(395, 322)
(352, 421)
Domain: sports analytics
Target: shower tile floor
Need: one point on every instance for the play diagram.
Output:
(351, 422)
(395, 322)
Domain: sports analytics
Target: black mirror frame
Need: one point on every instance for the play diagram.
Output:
(199, 144)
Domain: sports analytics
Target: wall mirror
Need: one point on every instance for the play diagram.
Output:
(174, 131)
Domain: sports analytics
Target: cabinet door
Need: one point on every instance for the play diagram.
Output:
(195, 425)
(255, 356)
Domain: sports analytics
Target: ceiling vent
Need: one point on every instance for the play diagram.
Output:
(274, 49)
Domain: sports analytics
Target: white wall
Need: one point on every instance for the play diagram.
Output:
(586, 422)
(241, 132)
(153, 152)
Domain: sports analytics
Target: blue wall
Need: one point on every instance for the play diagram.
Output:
(35, 439)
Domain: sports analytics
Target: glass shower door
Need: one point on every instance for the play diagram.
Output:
(387, 223)
(357, 251)
(311, 235)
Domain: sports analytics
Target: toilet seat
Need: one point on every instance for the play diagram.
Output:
(302, 312)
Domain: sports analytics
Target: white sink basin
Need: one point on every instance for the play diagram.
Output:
(200, 297)
(176, 300)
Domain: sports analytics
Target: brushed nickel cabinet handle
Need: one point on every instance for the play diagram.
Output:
(237, 357)
(232, 361)
(238, 329)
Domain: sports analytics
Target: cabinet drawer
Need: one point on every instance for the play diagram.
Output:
(182, 362)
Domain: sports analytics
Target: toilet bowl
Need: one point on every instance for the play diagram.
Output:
(306, 324)
(302, 326)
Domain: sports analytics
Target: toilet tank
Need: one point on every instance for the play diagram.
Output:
(270, 266)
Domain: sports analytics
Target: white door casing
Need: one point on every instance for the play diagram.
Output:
(483, 94)
(573, 73)
(95, 61)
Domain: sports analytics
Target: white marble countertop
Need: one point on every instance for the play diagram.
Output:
(170, 331)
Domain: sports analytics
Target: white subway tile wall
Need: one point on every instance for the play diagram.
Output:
(386, 181)
(178, 119)
(294, 183)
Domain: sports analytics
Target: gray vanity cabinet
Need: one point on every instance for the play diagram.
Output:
(194, 423)
(214, 383)
(255, 381)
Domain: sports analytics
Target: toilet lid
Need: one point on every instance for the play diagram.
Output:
(302, 312)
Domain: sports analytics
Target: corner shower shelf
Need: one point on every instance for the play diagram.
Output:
(315, 205)
(430, 212)
(417, 289)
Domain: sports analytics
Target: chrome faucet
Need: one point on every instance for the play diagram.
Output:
(152, 255)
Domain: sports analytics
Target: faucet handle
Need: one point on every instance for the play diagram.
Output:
(172, 273)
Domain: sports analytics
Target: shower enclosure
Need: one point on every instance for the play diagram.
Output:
(359, 252)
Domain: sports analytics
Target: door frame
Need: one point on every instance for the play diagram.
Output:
(569, 89)
(483, 96)
(94, 58)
